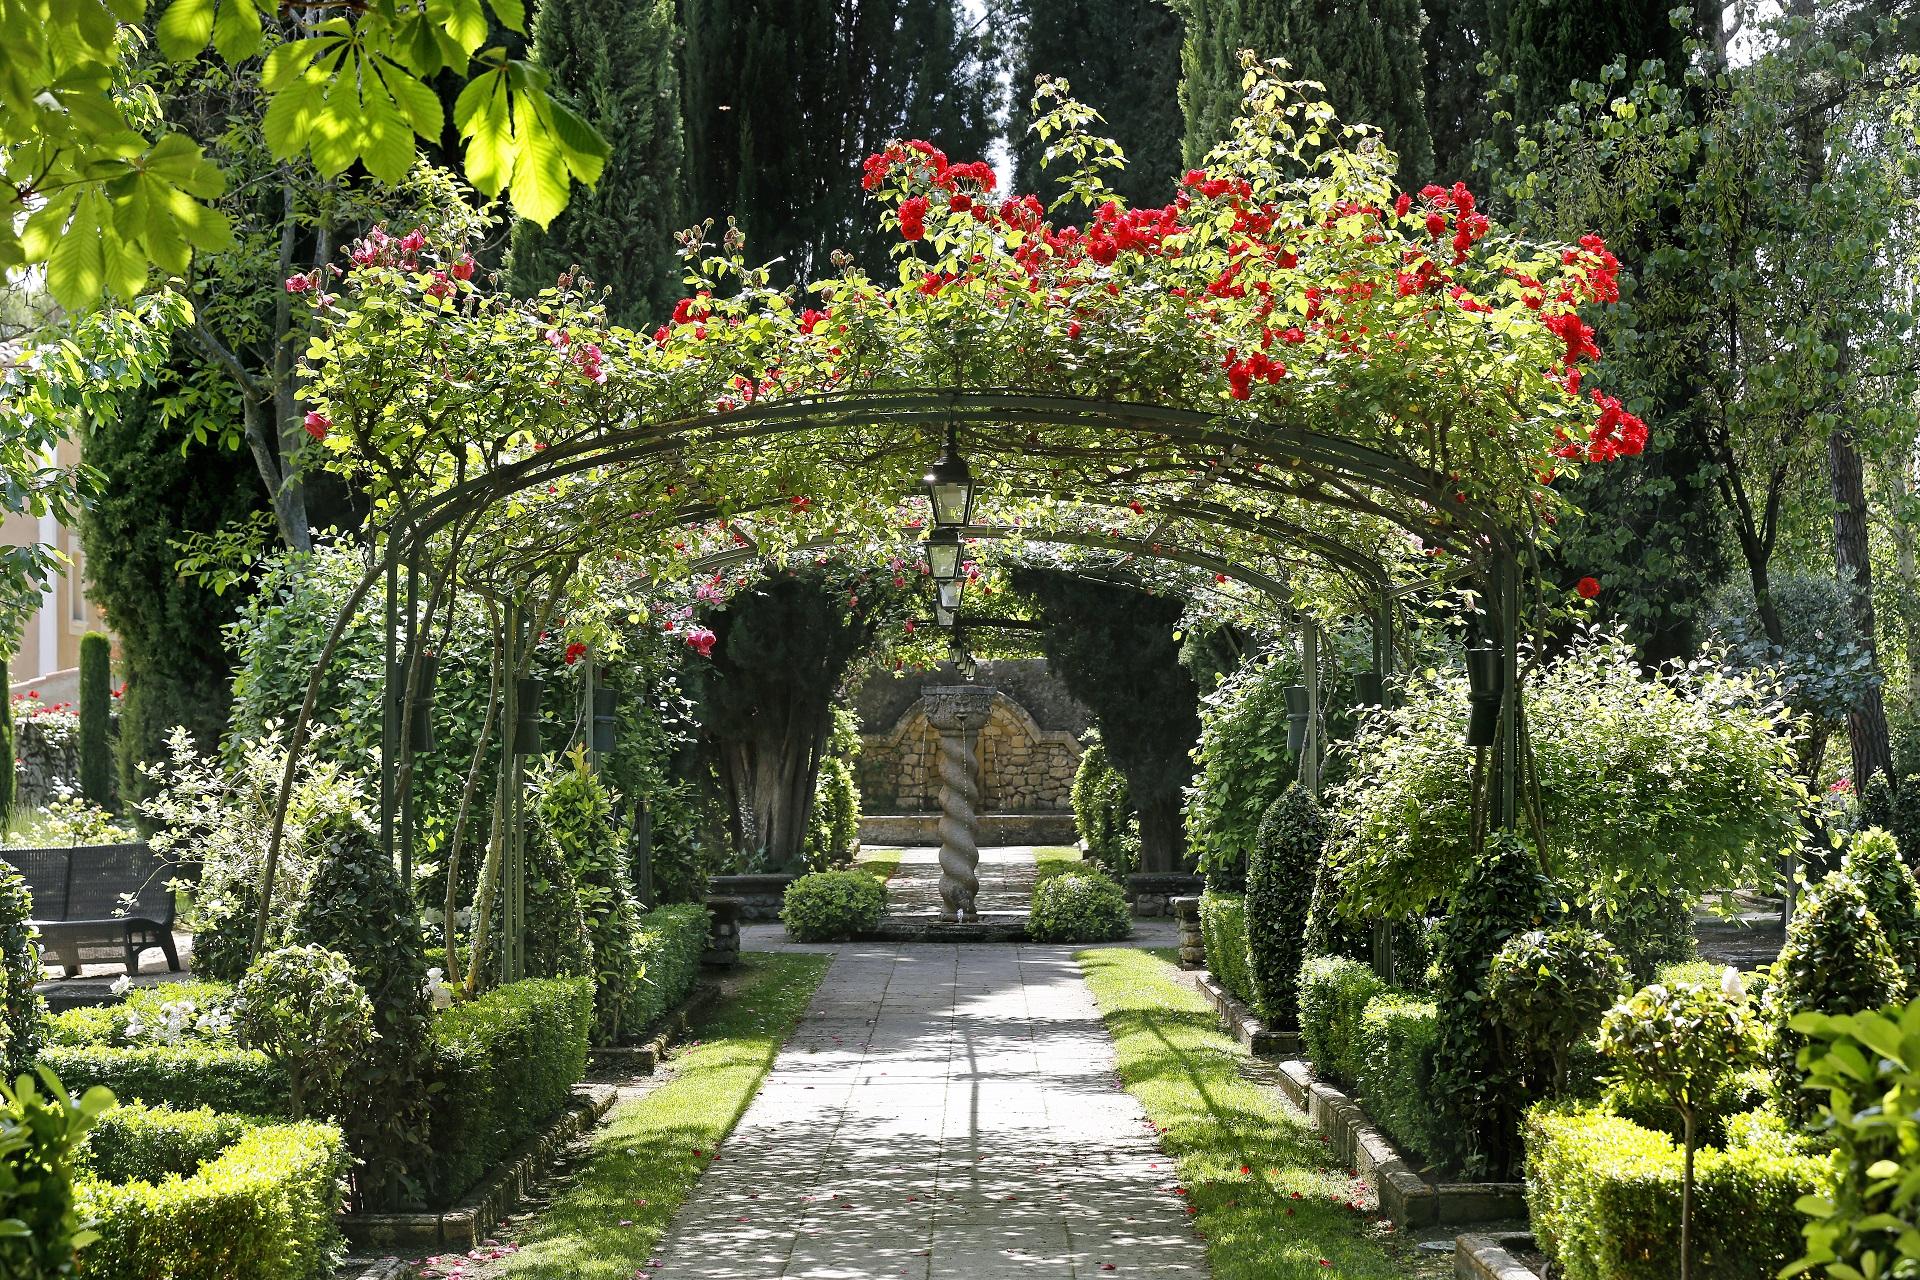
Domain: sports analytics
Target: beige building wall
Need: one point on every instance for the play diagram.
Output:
(50, 641)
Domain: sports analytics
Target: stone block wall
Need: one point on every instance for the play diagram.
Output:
(1024, 768)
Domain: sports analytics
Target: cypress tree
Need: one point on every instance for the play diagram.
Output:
(1548, 44)
(1210, 64)
(614, 60)
(1454, 40)
(96, 709)
(6, 744)
(1122, 58)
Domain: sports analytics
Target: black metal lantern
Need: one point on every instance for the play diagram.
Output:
(950, 486)
(943, 554)
(606, 704)
(944, 616)
(420, 727)
(526, 725)
(1369, 690)
(1485, 683)
(1296, 718)
(950, 594)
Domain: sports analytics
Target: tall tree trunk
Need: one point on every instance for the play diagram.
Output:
(1163, 839)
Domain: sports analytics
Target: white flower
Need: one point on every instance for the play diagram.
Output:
(135, 1028)
(1730, 983)
(122, 984)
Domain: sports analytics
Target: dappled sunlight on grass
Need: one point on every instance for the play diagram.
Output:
(645, 1161)
(1258, 1179)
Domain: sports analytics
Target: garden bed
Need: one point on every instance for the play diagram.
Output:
(1244, 1025)
(1405, 1196)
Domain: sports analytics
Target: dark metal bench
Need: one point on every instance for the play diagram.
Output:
(111, 901)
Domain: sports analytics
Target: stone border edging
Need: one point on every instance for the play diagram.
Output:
(642, 1059)
(379, 1269)
(1405, 1197)
(1478, 1257)
(1243, 1024)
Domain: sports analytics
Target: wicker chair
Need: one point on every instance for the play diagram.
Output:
(98, 902)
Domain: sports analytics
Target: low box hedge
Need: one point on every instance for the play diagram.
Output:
(832, 906)
(1078, 907)
(672, 940)
(1223, 929)
(224, 1077)
(1604, 1196)
(1394, 1057)
(108, 1023)
(255, 1202)
(1333, 995)
(505, 1066)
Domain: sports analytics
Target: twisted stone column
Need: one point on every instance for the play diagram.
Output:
(958, 712)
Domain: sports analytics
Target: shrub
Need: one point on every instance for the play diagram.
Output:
(1243, 767)
(1223, 928)
(23, 1015)
(1649, 931)
(1604, 1195)
(1874, 860)
(1679, 1043)
(357, 906)
(262, 1209)
(40, 1137)
(1327, 932)
(96, 714)
(1280, 876)
(301, 1007)
(505, 1064)
(1078, 908)
(1103, 812)
(577, 811)
(1394, 1069)
(165, 1013)
(833, 828)
(225, 1077)
(1505, 893)
(133, 1141)
(1333, 997)
(1548, 988)
(558, 945)
(1836, 960)
(832, 906)
(7, 758)
(672, 940)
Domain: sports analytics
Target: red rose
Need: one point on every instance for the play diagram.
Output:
(575, 652)
(1587, 588)
(316, 424)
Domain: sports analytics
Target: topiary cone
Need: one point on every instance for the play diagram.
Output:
(96, 713)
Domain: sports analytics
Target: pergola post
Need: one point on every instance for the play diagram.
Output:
(1310, 676)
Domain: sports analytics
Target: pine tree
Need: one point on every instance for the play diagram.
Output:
(614, 60)
(1210, 64)
(783, 99)
(1122, 58)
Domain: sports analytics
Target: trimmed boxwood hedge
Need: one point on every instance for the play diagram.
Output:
(1394, 1066)
(132, 1142)
(1078, 907)
(671, 941)
(1223, 928)
(224, 1077)
(504, 1066)
(1333, 996)
(262, 1208)
(1604, 1196)
(832, 906)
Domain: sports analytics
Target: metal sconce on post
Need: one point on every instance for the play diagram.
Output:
(1486, 683)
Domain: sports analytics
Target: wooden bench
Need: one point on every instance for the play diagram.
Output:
(110, 901)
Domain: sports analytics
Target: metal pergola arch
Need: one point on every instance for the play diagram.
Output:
(1343, 474)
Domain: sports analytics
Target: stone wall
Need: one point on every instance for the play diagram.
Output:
(1024, 768)
(46, 750)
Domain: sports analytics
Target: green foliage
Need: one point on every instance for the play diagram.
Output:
(1112, 645)
(1102, 814)
(1244, 765)
(1836, 961)
(1868, 1065)
(832, 906)
(577, 811)
(1546, 45)
(558, 945)
(1650, 931)
(1873, 860)
(1604, 1196)
(1822, 663)
(22, 1011)
(301, 1007)
(1077, 907)
(1649, 782)
(167, 1013)
(1738, 1093)
(96, 714)
(505, 1064)
(191, 1074)
(1547, 989)
(358, 907)
(1287, 854)
(1223, 929)
(672, 939)
(8, 761)
(134, 1141)
(1505, 893)
(41, 1226)
(262, 1209)
(833, 829)
(1394, 1074)
(1328, 933)
(615, 62)
(1334, 994)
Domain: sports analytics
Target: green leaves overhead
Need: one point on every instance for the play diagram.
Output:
(100, 197)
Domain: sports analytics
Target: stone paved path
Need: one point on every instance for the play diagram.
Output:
(1005, 874)
(942, 1112)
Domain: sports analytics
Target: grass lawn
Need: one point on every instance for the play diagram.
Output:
(879, 862)
(610, 1220)
(1054, 860)
(1259, 1180)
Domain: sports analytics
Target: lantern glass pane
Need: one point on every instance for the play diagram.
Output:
(950, 503)
(950, 594)
(944, 559)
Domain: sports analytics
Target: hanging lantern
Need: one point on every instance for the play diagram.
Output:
(943, 554)
(943, 616)
(950, 486)
(1485, 684)
(1369, 690)
(526, 725)
(420, 730)
(1296, 718)
(606, 704)
(950, 594)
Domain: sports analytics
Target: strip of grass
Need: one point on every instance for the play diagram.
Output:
(1055, 860)
(647, 1158)
(1258, 1178)
(880, 863)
